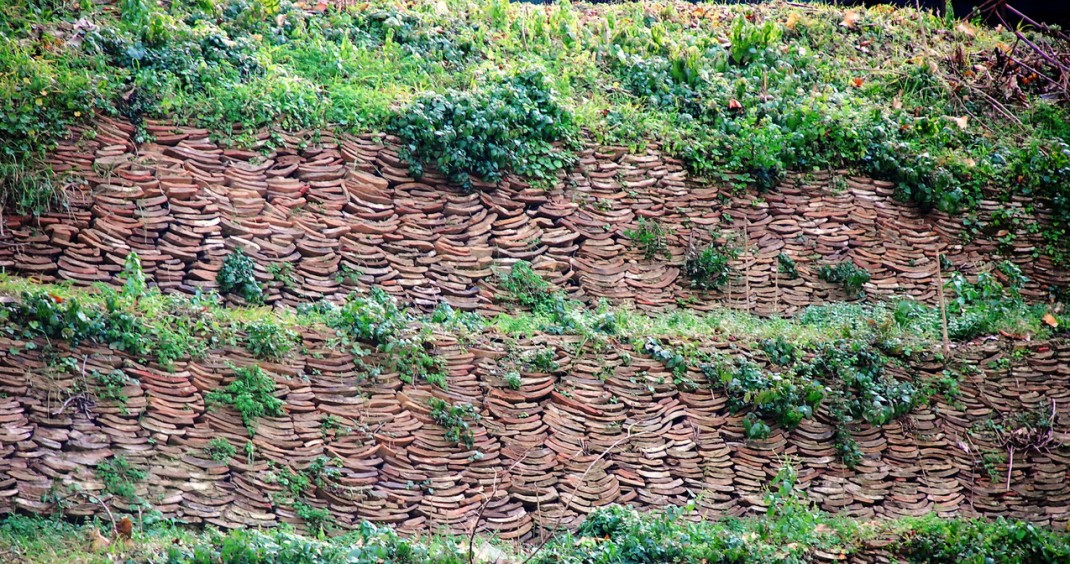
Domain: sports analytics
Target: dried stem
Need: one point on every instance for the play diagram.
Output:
(482, 508)
(572, 496)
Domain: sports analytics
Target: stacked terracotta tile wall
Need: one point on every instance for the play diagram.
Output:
(349, 205)
(609, 430)
(183, 203)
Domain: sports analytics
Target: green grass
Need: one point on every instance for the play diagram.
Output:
(885, 93)
(203, 321)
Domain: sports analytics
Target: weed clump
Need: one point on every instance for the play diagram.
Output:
(251, 394)
(454, 418)
(848, 274)
(237, 276)
(509, 127)
(710, 268)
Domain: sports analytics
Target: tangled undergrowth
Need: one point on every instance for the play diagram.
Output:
(949, 110)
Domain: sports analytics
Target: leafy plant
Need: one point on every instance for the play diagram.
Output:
(541, 359)
(749, 40)
(269, 341)
(237, 276)
(318, 519)
(511, 126)
(109, 386)
(513, 380)
(848, 274)
(649, 237)
(710, 268)
(119, 476)
(133, 277)
(251, 394)
(454, 418)
(283, 272)
(220, 449)
(526, 287)
(786, 266)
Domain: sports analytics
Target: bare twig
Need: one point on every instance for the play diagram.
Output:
(576, 489)
(482, 508)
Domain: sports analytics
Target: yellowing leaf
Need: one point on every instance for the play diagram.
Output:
(1050, 320)
(851, 19)
(793, 20)
(962, 122)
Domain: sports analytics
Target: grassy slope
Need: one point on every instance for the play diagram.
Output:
(743, 94)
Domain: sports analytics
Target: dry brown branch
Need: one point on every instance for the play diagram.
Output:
(482, 508)
(576, 489)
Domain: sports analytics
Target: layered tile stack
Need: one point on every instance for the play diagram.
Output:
(599, 429)
(345, 214)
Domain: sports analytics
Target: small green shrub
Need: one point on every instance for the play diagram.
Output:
(509, 126)
(786, 266)
(251, 394)
(786, 399)
(49, 315)
(318, 519)
(454, 418)
(133, 277)
(848, 274)
(649, 238)
(220, 450)
(541, 359)
(525, 286)
(710, 268)
(749, 40)
(283, 272)
(109, 386)
(269, 341)
(237, 276)
(375, 318)
(119, 476)
(378, 319)
(513, 380)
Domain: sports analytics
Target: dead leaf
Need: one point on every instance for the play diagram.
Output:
(857, 82)
(897, 104)
(734, 105)
(97, 541)
(1050, 320)
(965, 29)
(962, 122)
(851, 19)
(793, 20)
(125, 528)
